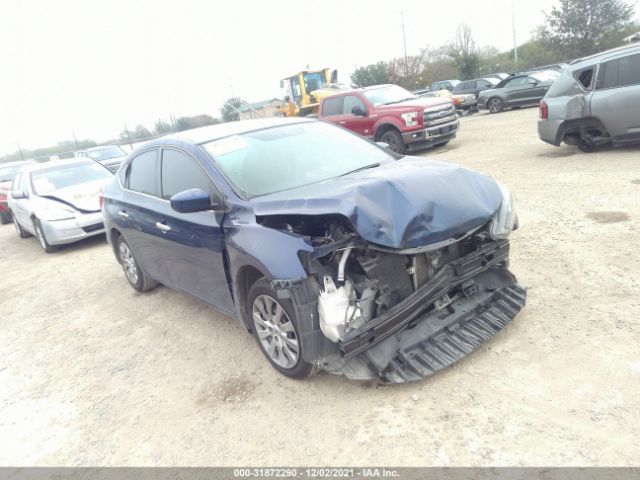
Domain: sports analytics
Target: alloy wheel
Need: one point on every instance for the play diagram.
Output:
(495, 105)
(275, 331)
(128, 263)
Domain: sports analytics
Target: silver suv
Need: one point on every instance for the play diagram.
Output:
(595, 101)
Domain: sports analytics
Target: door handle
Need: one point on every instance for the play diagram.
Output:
(123, 214)
(163, 226)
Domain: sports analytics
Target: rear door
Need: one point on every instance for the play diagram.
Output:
(192, 242)
(136, 214)
(360, 124)
(616, 99)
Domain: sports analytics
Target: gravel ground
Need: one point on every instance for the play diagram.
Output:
(93, 373)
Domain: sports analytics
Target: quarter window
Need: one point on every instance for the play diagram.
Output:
(141, 173)
(585, 78)
(332, 106)
(180, 172)
(620, 72)
(351, 101)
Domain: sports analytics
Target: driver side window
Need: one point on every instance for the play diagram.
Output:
(180, 172)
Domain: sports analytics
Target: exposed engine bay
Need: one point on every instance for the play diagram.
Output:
(372, 300)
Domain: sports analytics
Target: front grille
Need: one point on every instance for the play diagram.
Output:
(441, 115)
(93, 228)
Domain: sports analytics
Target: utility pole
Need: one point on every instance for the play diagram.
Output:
(404, 40)
(75, 140)
(20, 150)
(513, 25)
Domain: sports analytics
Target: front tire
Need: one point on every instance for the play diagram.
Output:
(42, 238)
(495, 105)
(276, 331)
(132, 271)
(394, 140)
(22, 233)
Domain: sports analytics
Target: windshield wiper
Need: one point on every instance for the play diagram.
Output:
(373, 165)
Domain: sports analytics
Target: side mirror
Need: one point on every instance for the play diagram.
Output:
(358, 111)
(19, 195)
(383, 145)
(190, 201)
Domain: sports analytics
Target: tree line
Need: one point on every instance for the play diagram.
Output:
(572, 29)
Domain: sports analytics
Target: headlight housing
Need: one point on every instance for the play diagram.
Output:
(55, 212)
(410, 118)
(505, 220)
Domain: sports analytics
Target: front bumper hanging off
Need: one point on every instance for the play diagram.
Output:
(415, 339)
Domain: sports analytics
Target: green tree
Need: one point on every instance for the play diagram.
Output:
(373, 74)
(464, 53)
(581, 27)
(161, 127)
(229, 110)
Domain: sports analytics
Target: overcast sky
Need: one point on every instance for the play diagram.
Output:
(92, 66)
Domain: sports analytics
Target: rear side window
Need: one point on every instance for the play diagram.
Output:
(332, 106)
(585, 78)
(180, 172)
(620, 72)
(351, 101)
(141, 173)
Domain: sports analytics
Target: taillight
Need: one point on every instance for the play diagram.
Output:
(544, 110)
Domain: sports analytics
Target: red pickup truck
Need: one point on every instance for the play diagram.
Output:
(393, 115)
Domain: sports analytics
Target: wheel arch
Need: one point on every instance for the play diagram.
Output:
(384, 128)
(246, 277)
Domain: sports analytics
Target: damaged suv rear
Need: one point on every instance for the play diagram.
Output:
(336, 253)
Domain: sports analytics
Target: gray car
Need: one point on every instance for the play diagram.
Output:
(517, 91)
(110, 156)
(595, 101)
(58, 202)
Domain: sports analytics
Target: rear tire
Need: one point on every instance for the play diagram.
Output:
(42, 238)
(585, 145)
(5, 217)
(394, 140)
(132, 271)
(275, 329)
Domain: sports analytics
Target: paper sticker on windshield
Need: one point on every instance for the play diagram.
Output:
(227, 145)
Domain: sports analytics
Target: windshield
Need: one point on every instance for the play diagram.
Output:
(45, 182)
(105, 153)
(387, 95)
(7, 174)
(290, 156)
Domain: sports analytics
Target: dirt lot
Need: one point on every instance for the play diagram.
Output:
(93, 373)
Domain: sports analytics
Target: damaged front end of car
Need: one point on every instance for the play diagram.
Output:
(396, 312)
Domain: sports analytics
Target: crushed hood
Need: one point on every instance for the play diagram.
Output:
(401, 204)
(83, 197)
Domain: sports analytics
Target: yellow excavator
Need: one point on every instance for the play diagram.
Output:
(305, 89)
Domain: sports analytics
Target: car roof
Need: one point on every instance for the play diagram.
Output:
(99, 147)
(606, 55)
(57, 163)
(16, 163)
(221, 130)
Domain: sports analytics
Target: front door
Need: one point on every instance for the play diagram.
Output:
(361, 124)
(192, 242)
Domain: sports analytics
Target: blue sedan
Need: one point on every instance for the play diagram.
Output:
(336, 253)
